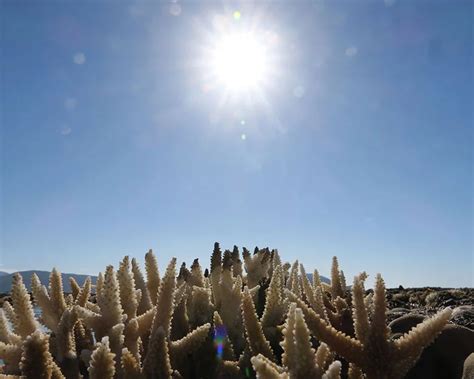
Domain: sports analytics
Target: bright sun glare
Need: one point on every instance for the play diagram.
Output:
(239, 62)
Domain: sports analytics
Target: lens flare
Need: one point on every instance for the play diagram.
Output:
(220, 333)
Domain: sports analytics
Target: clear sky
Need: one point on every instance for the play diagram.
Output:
(117, 137)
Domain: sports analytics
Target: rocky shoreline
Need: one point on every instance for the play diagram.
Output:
(428, 300)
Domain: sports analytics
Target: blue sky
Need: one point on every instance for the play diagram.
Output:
(359, 145)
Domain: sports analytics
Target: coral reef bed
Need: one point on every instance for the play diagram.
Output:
(248, 315)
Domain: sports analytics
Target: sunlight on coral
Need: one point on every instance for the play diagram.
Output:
(253, 317)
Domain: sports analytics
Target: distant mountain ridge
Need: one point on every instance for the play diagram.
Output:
(6, 279)
(323, 278)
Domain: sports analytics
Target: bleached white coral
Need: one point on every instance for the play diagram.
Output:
(226, 323)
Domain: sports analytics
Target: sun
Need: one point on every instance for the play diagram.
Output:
(238, 62)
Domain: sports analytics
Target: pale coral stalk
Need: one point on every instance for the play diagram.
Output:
(165, 300)
(379, 329)
(102, 364)
(361, 319)
(128, 297)
(6, 336)
(152, 275)
(343, 345)
(24, 323)
(109, 299)
(84, 293)
(322, 355)
(75, 288)
(336, 285)
(56, 293)
(413, 343)
(265, 369)
(334, 371)
(157, 362)
(197, 277)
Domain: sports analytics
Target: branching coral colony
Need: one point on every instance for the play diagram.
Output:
(257, 318)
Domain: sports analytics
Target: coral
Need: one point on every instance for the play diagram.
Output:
(372, 350)
(301, 360)
(152, 275)
(246, 317)
(36, 360)
(468, 371)
(21, 316)
(257, 342)
(102, 365)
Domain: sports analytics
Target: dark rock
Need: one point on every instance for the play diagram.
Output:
(395, 313)
(445, 357)
(399, 310)
(405, 323)
(449, 302)
(464, 315)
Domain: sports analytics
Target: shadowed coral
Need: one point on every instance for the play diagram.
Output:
(229, 310)
(220, 331)
(144, 303)
(11, 355)
(253, 329)
(275, 307)
(36, 360)
(157, 362)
